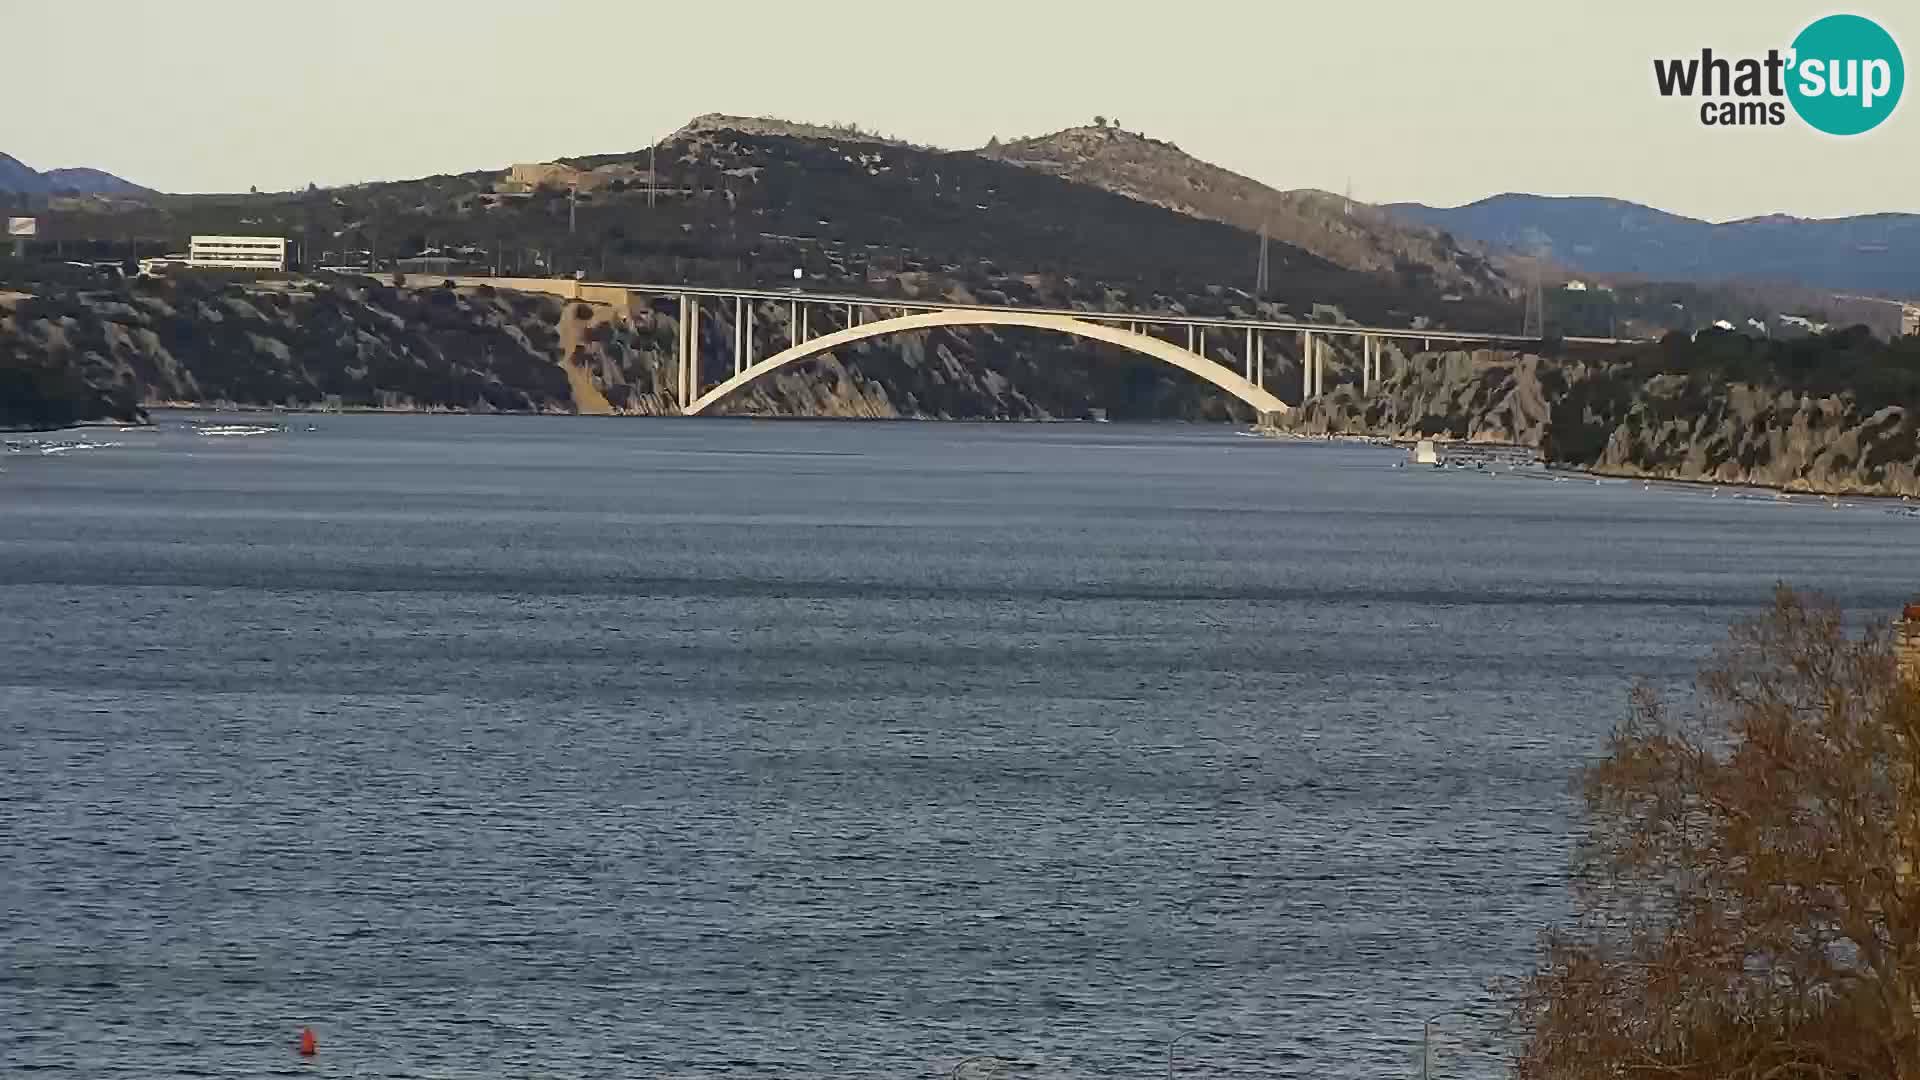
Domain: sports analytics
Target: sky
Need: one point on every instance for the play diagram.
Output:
(1441, 103)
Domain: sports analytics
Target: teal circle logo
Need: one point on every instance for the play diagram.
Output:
(1847, 75)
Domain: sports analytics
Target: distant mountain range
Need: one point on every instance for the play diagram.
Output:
(1874, 253)
(18, 178)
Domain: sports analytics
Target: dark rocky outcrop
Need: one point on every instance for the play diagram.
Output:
(1836, 414)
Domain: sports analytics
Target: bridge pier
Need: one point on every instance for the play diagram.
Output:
(739, 334)
(689, 350)
(1308, 356)
(1147, 333)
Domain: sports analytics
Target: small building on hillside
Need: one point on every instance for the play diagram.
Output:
(1576, 285)
(238, 252)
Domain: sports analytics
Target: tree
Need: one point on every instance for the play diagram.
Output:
(1099, 121)
(1748, 887)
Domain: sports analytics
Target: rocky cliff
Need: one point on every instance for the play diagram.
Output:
(1832, 415)
(360, 343)
(1763, 435)
(1470, 396)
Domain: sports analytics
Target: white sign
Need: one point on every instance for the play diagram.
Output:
(23, 226)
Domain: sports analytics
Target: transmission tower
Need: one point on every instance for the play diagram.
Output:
(1260, 278)
(1534, 323)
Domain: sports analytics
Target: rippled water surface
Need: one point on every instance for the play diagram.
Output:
(573, 748)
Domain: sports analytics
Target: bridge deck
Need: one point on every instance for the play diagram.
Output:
(1156, 318)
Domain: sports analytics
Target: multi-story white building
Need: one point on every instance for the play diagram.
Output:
(238, 252)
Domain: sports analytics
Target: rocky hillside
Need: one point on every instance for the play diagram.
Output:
(742, 201)
(1834, 414)
(1353, 235)
(41, 394)
(713, 123)
(299, 343)
(1483, 395)
(359, 343)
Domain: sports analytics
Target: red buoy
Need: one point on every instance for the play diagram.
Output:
(309, 1043)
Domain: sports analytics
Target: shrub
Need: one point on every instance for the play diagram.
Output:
(1746, 886)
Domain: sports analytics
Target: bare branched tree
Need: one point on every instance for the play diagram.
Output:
(1747, 895)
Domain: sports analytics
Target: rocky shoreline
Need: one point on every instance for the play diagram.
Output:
(356, 344)
(1611, 418)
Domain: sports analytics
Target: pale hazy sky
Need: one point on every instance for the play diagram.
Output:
(1440, 102)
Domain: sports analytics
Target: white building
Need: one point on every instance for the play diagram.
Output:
(1576, 285)
(1910, 318)
(238, 252)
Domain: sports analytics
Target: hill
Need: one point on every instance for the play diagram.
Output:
(1874, 253)
(18, 178)
(744, 201)
(1833, 413)
(1353, 235)
(736, 201)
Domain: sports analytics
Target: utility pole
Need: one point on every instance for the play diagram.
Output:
(653, 173)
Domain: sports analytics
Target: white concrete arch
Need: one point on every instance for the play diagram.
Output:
(1220, 376)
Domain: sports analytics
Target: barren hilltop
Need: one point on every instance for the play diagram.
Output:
(1346, 233)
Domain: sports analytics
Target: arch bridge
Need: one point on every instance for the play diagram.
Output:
(846, 319)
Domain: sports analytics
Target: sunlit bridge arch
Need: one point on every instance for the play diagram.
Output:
(1223, 377)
